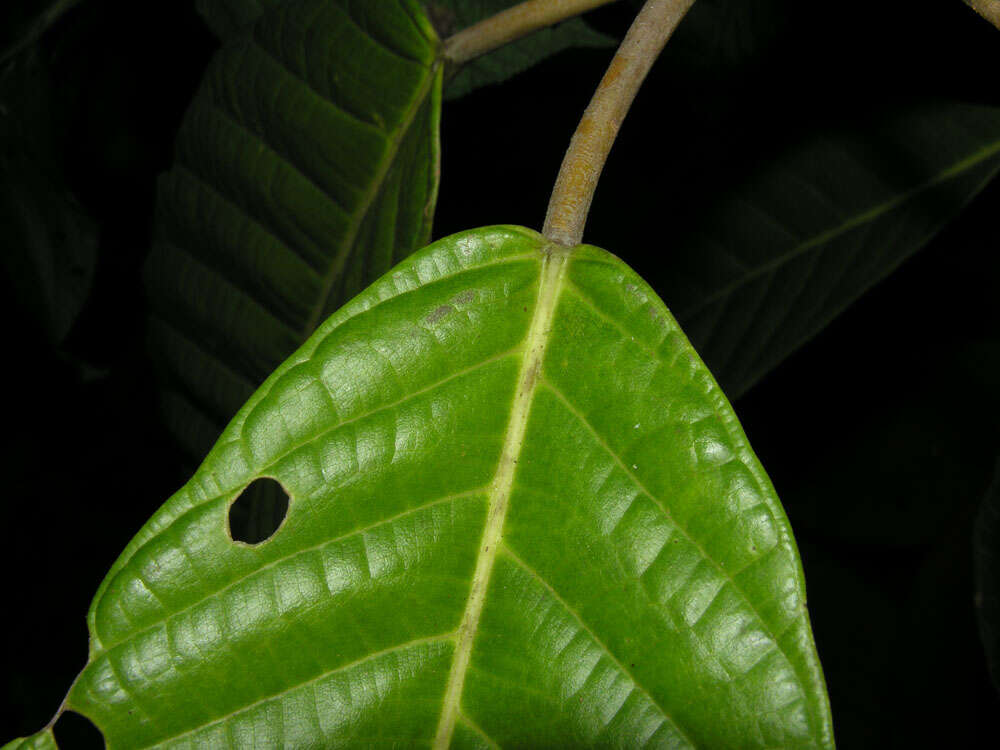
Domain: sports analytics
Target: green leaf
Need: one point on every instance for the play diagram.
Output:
(43, 740)
(780, 255)
(512, 58)
(228, 17)
(986, 553)
(520, 510)
(306, 166)
(49, 241)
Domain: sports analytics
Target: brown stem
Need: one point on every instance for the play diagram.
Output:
(584, 160)
(988, 9)
(512, 24)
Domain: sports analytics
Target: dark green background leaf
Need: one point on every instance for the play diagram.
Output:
(49, 241)
(305, 167)
(779, 256)
(227, 17)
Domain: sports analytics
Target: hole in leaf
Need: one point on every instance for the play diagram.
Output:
(77, 731)
(258, 512)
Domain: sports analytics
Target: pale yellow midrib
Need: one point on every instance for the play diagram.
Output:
(553, 269)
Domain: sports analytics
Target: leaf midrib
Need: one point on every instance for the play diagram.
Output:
(553, 270)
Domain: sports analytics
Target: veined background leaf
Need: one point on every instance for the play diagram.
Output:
(778, 257)
(227, 17)
(521, 510)
(306, 166)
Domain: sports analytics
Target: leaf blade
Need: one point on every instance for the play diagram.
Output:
(782, 255)
(227, 18)
(43, 740)
(289, 155)
(375, 566)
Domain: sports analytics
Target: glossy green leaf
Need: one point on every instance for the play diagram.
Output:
(780, 255)
(306, 166)
(512, 58)
(521, 513)
(986, 552)
(41, 741)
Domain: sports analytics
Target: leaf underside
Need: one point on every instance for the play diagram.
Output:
(306, 166)
(521, 513)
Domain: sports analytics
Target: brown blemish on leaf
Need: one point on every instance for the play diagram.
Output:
(439, 313)
(464, 298)
(532, 376)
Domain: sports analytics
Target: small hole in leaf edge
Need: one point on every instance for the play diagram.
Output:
(257, 514)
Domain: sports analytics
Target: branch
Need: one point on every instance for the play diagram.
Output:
(988, 9)
(584, 160)
(512, 24)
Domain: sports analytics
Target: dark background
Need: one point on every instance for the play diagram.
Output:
(899, 394)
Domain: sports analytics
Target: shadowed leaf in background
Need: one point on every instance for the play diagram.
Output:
(305, 167)
(777, 257)
(227, 17)
(49, 241)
